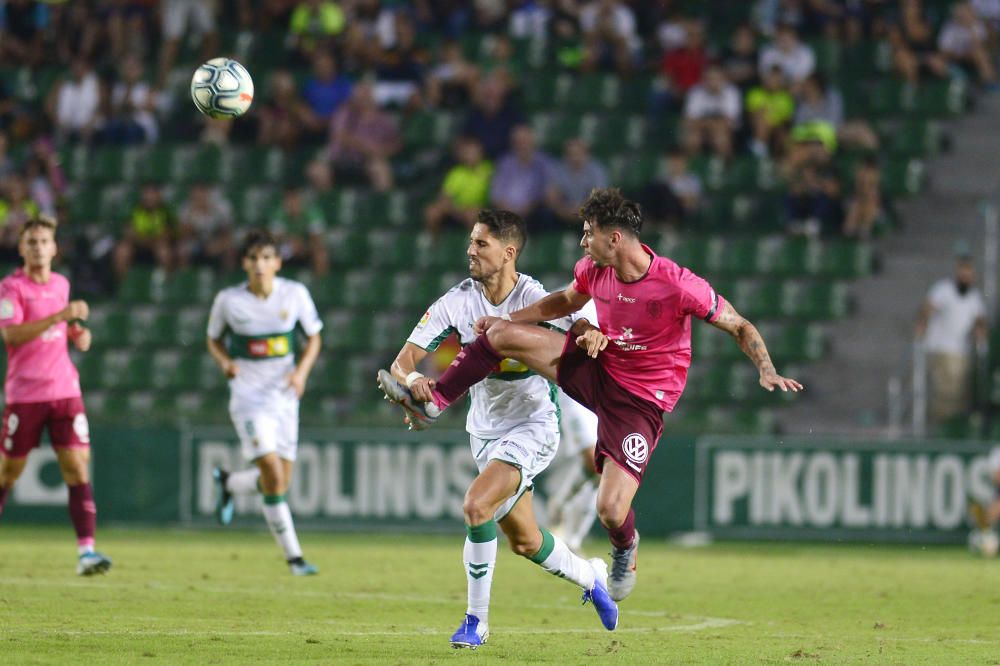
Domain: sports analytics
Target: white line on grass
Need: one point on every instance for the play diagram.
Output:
(284, 591)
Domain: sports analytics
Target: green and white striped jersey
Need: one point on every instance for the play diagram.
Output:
(513, 394)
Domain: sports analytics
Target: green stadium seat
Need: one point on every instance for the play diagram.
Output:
(190, 326)
(327, 290)
(254, 204)
(209, 376)
(413, 290)
(391, 208)
(346, 246)
(137, 287)
(367, 288)
(110, 326)
(124, 369)
(904, 177)
(346, 330)
(188, 286)
(844, 259)
(820, 300)
(150, 326)
(758, 299)
(429, 129)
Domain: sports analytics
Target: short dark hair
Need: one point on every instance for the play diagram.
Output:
(608, 209)
(38, 222)
(506, 226)
(257, 239)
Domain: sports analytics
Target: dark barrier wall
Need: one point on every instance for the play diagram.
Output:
(391, 479)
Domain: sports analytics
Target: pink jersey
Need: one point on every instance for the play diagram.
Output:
(648, 323)
(39, 370)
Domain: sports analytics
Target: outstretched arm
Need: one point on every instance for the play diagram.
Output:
(555, 305)
(18, 334)
(749, 339)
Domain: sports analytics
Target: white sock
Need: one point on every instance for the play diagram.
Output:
(479, 558)
(279, 520)
(556, 558)
(243, 482)
(580, 513)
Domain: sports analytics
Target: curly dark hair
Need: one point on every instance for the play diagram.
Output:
(505, 226)
(258, 239)
(607, 208)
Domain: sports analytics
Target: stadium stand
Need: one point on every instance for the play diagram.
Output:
(149, 364)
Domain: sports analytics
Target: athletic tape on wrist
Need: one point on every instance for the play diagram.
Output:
(412, 377)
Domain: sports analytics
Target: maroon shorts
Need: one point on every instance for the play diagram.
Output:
(628, 426)
(23, 423)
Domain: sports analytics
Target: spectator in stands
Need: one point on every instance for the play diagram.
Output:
(492, 118)
(499, 62)
(572, 179)
(179, 15)
(313, 26)
(399, 69)
(964, 42)
(712, 114)
(465, 190)
(149, 235)
(74, 104)
(131, 117)
(125, 25)
(609, 32)
(818, 103)
(363, 139)
(21, 26)
(7, 165)
(284, 117)
(319, 176)
(450, 82)
(205, 229)
(529, 20)
(795, 59)
(813, 203)
(683, 67)
(868, 209)
(913, 49)
(300, 228)
(325, 91)
(16, 206)
(45, 177)
(771, 108)
(740, 57)
(953, 312)
(671, 199)
(522, 178)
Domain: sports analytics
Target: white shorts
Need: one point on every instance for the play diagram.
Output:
(177, 14)
(274, 430)
(577, 424)
(529, 447)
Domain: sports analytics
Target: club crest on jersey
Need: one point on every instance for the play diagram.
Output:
(654, 309)
(283, 314)
(635, 448)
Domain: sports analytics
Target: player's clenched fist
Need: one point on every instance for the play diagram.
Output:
(76, 310)
(484, 324)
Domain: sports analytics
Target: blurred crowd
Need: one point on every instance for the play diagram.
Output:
(349, 71)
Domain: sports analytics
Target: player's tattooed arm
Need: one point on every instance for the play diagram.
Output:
(750, 341)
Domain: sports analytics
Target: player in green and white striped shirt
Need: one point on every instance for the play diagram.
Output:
(251, 335)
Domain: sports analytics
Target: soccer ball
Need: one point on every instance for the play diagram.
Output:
(222, 88)
(984, 542)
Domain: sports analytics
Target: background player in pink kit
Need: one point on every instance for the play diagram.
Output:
(42, 387)
(629, 371)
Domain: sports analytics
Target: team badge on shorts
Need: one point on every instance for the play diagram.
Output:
(635, 448)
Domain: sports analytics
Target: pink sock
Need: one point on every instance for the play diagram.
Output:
(623, 535)
(83, 513)
(471, 365)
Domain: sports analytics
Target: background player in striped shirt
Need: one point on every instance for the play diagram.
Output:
(42, 389)
(251, 335)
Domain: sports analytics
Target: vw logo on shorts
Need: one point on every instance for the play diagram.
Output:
(635, 448)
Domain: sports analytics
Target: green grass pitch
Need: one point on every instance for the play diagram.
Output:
(224, 597)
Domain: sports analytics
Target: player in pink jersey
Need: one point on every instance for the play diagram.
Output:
(629, 371)
(42, 387)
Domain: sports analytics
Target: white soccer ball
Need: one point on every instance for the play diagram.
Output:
(984, 542)
(222, 88)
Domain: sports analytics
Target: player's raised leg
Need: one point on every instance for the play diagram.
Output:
(228, 484)
(552, 554)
